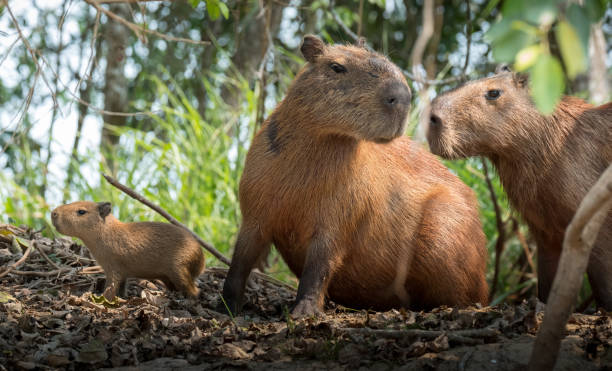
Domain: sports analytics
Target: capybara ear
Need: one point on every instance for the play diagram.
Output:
(312, 48)
(104, 208)
(502, 68)
(520, 79)
(361, 42)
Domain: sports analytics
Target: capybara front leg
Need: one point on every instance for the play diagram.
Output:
(548, 259)
(314, 280)
(249, 247)
(113, 282)
(600, 275)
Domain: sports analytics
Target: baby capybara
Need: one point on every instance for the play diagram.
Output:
(546, 163)
(149, 250)
(360, 215)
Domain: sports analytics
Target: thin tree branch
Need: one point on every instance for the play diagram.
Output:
(468, 36)
(141, 30)
(135, 195)
(18, 262)
(501, 229)
(580, 236)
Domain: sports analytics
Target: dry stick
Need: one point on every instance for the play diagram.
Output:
(501, 230)
(44, 255)
(577, 245)
(18, 262)
(42, 274)
(457, 335)
(261, 276)
(168, 217)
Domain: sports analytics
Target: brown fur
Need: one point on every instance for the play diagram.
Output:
(362, 216)
(546, 163)
(149, 250)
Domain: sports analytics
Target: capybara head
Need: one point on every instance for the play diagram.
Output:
(483, 117)
(348, 90)
(80, 218)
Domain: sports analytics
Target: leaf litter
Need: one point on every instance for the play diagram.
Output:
(50, 318)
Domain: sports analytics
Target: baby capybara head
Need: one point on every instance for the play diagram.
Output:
(349, 91)
(482, 117)
(80, 218)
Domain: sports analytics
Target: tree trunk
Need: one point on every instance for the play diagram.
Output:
(252, 44)
(116, 87)
(599, 87)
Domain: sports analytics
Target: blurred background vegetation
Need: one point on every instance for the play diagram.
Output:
(166, 96)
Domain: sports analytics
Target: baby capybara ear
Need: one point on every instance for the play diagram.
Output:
(312, 48)
(361, 42)
(104, 208)
(502, 68)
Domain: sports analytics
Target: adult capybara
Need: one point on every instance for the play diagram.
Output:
(546, 163)
(360, 215)
(150, 250)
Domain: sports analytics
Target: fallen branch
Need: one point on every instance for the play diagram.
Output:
(138, 197)
(458, 336)
(55, 272)
(18, 262)
(577, 245)
(41, 252)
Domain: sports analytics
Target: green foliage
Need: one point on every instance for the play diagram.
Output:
(521, 37)
(214, 8)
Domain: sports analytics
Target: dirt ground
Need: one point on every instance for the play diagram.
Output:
(49, 320)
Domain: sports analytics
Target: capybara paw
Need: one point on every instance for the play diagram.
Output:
(306, 308)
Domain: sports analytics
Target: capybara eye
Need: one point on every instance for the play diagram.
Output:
(338, 68)
(373, 75)
(493, 94)
(81, 212)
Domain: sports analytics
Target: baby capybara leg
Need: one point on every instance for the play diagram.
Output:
(183, 281)
(315, 278)
(248, 250)
(113, 281)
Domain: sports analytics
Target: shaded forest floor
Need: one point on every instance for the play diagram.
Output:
(48, 320)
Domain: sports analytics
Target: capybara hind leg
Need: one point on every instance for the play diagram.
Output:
(314, 280)
(600, 275)
(248, 250)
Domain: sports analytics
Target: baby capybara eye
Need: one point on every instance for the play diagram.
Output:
(493, 94)
(81, 212)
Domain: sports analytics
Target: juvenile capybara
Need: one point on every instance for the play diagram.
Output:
(360, 214)
(149, 250)
(546, 163)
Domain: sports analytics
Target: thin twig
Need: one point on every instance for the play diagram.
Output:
(55, 272)
(458, 336)
(501, 228)
(468, 36)
(135, 195)
(139, 30)
(44, 255)
(18, 262)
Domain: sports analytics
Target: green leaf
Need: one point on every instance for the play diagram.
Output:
(546, 83)
(577, 17)
(572, 50)
(527, 57)
(5, 297)
(506, 47)
(194, 3)
(224, 9)
(212, 7)
(595, 9)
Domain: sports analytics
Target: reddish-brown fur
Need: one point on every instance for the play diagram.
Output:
(361, 216)
(546, 163)
(149, 250)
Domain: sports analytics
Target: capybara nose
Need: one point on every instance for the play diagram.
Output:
(397, 94)
(435, 121)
